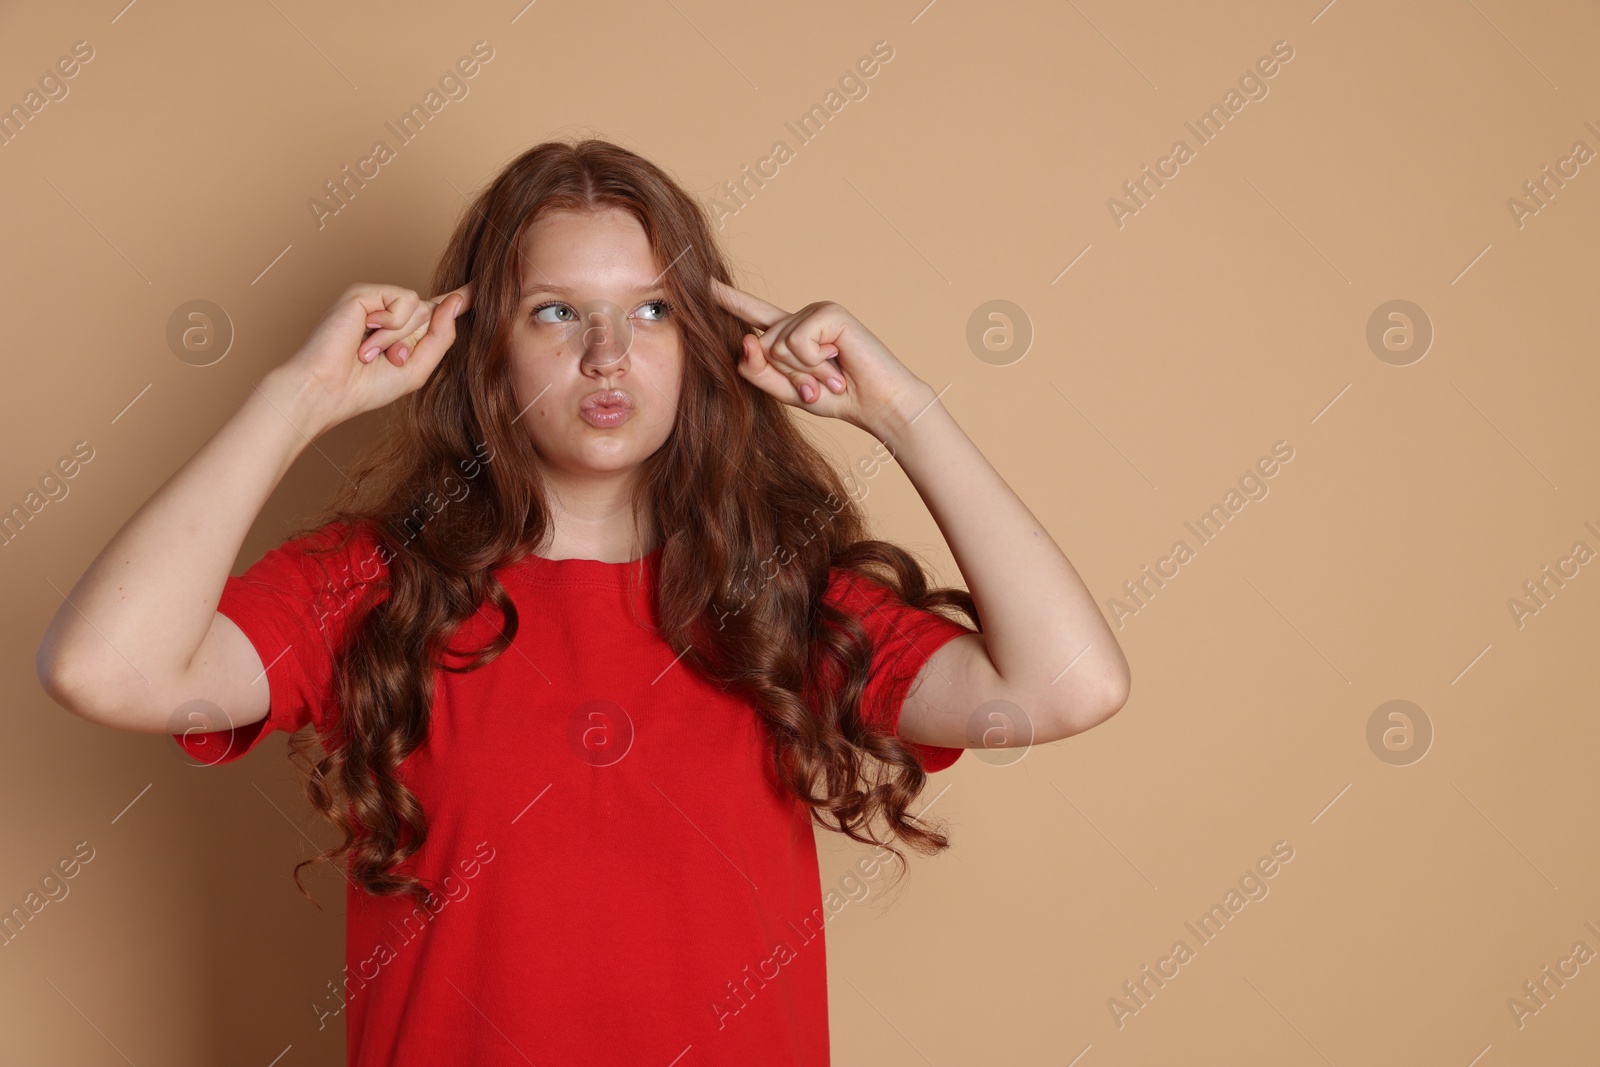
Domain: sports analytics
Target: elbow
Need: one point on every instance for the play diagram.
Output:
(1117, 687)
(1090, 705)
(1115, 697)
(47, 667)
(51, 670)
(1112, 692)
(64, 681)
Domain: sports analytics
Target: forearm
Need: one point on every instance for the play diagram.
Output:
(1044, 632)
(136, 617)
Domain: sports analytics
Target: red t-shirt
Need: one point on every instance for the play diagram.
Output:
(622, 882)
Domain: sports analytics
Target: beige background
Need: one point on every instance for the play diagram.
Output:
(1229, 313)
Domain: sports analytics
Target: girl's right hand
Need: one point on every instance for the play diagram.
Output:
(340, 364)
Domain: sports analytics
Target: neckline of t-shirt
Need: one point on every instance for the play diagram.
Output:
(589, 571)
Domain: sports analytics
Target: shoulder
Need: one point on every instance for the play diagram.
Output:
(349, 545)
(334, 560)
(850, 588)
(884, 614)
(862, 594)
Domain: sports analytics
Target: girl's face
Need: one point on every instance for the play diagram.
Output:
(596, 354)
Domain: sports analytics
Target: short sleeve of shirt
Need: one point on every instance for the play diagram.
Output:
(903, 639)
(294, 607)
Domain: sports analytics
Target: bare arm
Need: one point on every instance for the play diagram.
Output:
(1045, 647)
(139, 634)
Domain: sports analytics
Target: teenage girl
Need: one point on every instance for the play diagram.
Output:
(593, 636)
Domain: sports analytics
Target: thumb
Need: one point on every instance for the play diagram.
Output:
(758, 371)
(441, 334)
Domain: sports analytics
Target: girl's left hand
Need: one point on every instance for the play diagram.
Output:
(822, 359)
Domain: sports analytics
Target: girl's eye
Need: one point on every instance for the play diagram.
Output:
(551, 306)
(665, 309)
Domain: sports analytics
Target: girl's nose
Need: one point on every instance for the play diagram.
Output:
(601, 335)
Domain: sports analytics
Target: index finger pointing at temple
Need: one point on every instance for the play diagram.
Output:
(748, 307)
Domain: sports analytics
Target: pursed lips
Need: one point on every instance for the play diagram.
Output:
(609, 400)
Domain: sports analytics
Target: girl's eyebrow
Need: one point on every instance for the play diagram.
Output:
(638, 290)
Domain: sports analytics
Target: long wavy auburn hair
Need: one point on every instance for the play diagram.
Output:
(735, 487)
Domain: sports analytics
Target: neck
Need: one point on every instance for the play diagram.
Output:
(594, 519)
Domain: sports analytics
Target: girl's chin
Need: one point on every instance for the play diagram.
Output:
(595, 463)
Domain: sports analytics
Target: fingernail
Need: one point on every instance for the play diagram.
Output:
(403, 353)
(807, 393)
(836, 385)
(368, 352)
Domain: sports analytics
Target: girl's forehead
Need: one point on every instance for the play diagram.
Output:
(621, 264)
